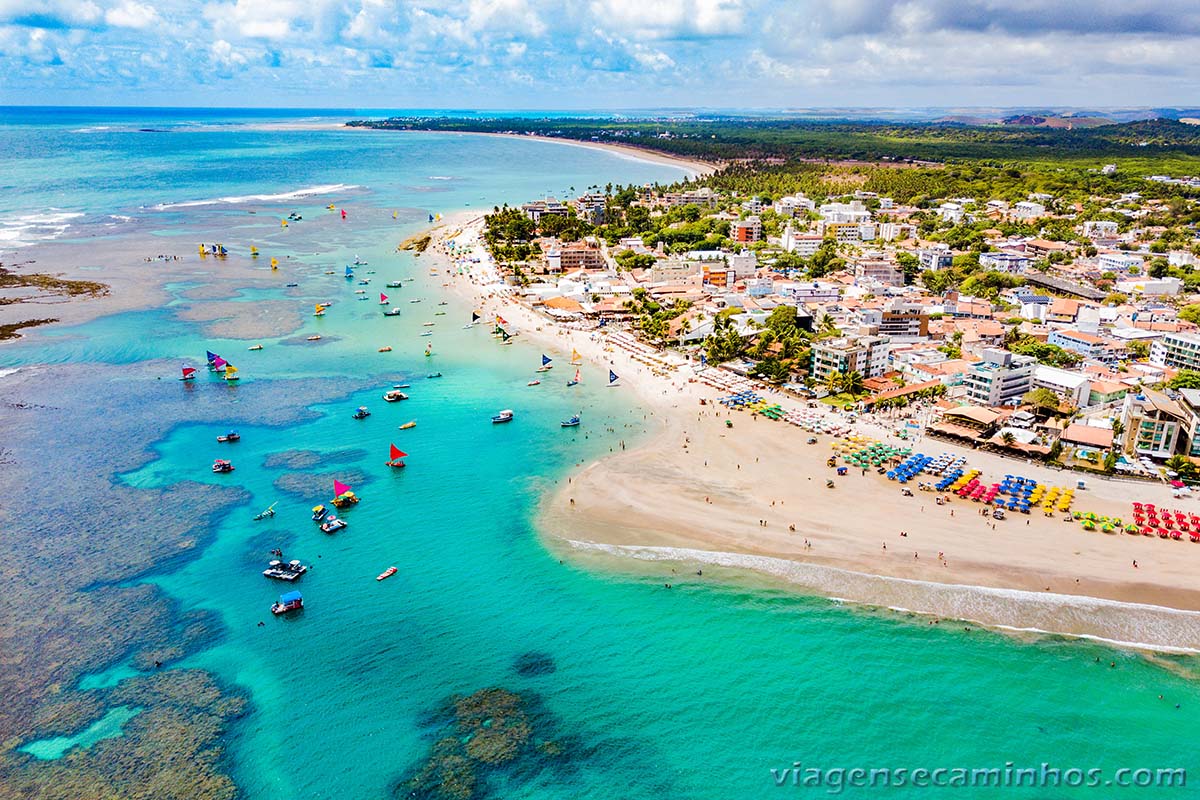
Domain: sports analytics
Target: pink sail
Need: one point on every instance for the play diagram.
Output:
(382, 297)
(339, 488)
(219, 363)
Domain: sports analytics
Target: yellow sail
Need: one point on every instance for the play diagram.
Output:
(330, 206)
(230, 369)
(253, 251)
(274, 263)
(575, 357)
(283, 223)
(437, 216)
(202, 252)
(393, 215)
(318, 307)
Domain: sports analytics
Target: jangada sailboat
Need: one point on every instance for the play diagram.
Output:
(575, 380)
(397, 459)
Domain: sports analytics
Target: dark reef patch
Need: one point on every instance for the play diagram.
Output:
(71, 603)
(318, 486)
(310, 459)
(484, 740)
(534, 663)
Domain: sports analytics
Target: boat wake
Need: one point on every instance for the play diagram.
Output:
(1112, 622)
(311, 191)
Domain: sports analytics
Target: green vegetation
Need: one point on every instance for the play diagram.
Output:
(1185, 379)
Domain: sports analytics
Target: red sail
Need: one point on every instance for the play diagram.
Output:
(397, 452)
(339, 488)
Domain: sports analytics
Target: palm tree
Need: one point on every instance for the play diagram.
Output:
(852, 383)
(1118, 428)
(827, 325)
(1008, 438)
(833, 382)
(1182, 466)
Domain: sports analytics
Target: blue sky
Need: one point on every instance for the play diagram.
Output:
(561, 54)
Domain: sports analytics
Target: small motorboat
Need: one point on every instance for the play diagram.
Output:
(255, 347)
(364, 282)
(393, 284)
(269, 512)
(284, 570)
(292, 601)
(412, 423)
(385, 349)
(573, 422)
(443, 303)
(387, 573)
(392, 312)
(291, 285)
(318, 513)
(221, 465)
(401, 385)
(504, 416)
(434, 375)
(439, 313)
(333, 524)
(316, 337)
(534, 383)
(415, 300)
(394, 396)
(428, 324)
(361, 413)
(360, 291)
(427, 333)
(232, 436)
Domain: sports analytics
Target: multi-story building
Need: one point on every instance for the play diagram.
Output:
(802, 244)
(1012, 263)
(854, 211)
(1087, 345)
(1000, 379)
(538, 208)
(875, 269)
(866, 355)
(809, 291)
(1119, 262)
(572, 256)
(1155, 425)
(1176, 350)
(1074, 386)
(937, 256)
(1100, 229)
(898, 320)
(1027, 209)
(791, 205)
(746, 231)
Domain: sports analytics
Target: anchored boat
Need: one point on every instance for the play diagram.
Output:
(285, 571)
(292, 601)
(504, 416)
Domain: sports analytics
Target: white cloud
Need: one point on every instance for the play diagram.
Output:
(130, 14)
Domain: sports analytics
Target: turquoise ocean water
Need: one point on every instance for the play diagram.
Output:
(696, 692)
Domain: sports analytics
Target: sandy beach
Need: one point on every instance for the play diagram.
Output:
(753, 497)
(695, 167)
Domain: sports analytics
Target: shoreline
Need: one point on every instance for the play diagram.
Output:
(656, 502)
(695, 167)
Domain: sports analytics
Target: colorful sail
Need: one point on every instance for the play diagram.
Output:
(283, 223)
(253, 250)
(501, 320)
(339, 488)
(505, 334)
(188, 372)
(349, 271)
(575, 357)
(382, 298)
(546, 359)
(577, 376)
(230, 371)
(219, 363)
(612, 377)
(474, 317)
(211, 356)
(398, 453)
(274, 262)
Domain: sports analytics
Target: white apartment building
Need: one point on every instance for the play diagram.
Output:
(867, 355)
(1000, 379)
(1119, 262)
(1027, 209)
(1074, 386)
(1176, 350)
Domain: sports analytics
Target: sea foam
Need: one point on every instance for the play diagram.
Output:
(1113, 622)
(311, 191)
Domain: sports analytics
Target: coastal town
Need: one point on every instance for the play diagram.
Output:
(1040, 328)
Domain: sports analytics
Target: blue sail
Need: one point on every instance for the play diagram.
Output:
(546, 359)
(349, 271)
(612, 377)
(211, 355)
